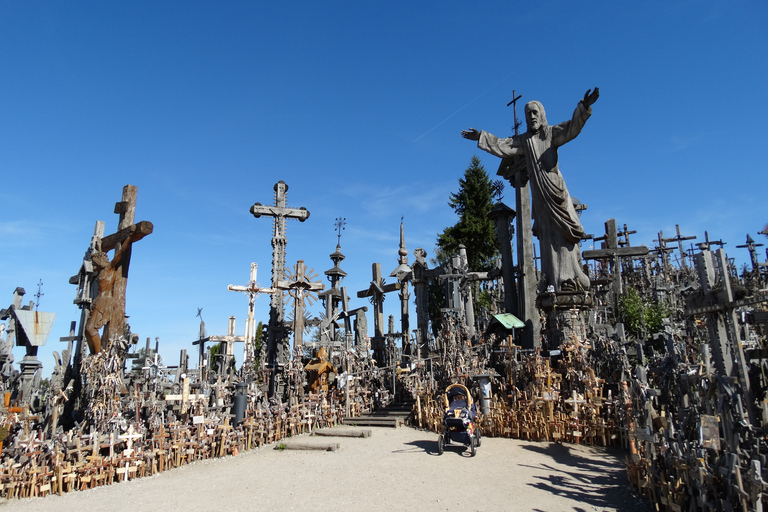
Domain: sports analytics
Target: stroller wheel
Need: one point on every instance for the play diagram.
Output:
(440, 444)
(472, 447)
(479, 440)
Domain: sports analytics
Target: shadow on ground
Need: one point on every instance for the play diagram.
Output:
(429, 446)
(595, 483)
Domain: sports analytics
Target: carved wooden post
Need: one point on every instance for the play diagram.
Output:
(502, 216)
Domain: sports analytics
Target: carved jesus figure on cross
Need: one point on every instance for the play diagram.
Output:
(105, 311)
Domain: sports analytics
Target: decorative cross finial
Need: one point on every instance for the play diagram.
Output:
(39, 294)
(340, 223)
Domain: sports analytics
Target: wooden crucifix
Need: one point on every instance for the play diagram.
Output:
(108, 308)
(376, 292)
(252, 289)
(752, 246)
(228, 341)
(277, 335)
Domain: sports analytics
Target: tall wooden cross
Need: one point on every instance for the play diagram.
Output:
(614, 253)
(108, 307)
(252, 289)
(679, 239)
(663, 251)
(376, 292)
(277, 339)
(722, 323)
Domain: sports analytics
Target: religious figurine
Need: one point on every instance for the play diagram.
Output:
(556, 224)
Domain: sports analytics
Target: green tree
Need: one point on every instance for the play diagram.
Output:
(475, 230)
(641, 316)
(213, 362)
(258, 339)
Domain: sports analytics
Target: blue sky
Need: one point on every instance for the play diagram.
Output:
(358, 107)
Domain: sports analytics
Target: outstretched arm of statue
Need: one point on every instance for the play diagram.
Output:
(568, 130)
(502, 148)
(470, 134)
(591, 96)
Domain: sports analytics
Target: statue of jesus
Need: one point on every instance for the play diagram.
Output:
(556, 224)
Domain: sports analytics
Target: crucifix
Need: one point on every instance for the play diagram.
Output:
(752, 246)
(376, 292)
(276, 343)
(625, 233)
(108, 308)
(228, 341)
(252, 289)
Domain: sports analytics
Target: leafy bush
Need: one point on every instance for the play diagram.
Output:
(640, 316)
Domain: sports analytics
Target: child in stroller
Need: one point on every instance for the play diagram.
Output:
(459, 420)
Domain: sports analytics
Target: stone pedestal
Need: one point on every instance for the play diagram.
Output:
(565, 316)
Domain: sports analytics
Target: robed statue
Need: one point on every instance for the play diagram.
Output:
(555, 222)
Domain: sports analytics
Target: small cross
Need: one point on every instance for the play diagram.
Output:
(128, 438)
(515, 97)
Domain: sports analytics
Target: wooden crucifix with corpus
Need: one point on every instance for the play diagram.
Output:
(277, 336)
(108, 308)
(252, 289)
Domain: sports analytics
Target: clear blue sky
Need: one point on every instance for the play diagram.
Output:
(358, 107)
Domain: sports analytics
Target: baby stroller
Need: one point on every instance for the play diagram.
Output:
(459, 420)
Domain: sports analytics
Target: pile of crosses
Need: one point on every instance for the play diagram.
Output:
(532, 400)
(127, 434)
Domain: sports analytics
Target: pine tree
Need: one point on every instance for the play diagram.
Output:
(475, 230)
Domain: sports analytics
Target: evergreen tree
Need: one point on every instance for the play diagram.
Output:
(475, 230)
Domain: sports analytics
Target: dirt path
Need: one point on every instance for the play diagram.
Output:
(393, 470)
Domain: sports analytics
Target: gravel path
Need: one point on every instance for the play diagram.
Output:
(394, 469)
